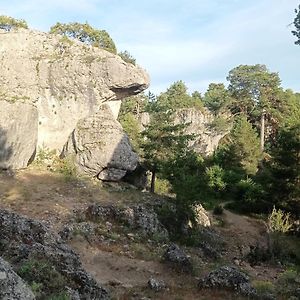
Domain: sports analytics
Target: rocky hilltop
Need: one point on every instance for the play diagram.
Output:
(49, 85)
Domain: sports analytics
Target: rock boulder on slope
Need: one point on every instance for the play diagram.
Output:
(100, 147)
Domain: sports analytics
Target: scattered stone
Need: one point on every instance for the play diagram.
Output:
(156, 285)
(12, 287)
(228, 277)
(178, 258)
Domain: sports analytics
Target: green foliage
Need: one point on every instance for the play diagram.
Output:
(278, 221)
(177, 97)
(263, 287)
(44, 279)
(216, 98)
(127, 57)
(218, 210)
(86, 34)
(8, 23)
(215, 177)
(245, 145)
(66, 167)
(132, 127)
(45, 156)
(296, 32)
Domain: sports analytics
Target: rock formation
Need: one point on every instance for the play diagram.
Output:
(49, 85)
(100, 147)
(11, 285)
(198, 123)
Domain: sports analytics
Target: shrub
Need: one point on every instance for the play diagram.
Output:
(43, 278)
(127, 57)
(218, 210)
(278, 221)
(86, 34)
(263, 287)
(8, 23)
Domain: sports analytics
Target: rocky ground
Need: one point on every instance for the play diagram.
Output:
(107, 241)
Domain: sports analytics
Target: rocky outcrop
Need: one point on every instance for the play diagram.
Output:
(11, 285)
(65, 80)
(25, 240)
(177, 258)
(101, 147)
(137, 217)
(228, 277)
(18, 134)
(198, 123)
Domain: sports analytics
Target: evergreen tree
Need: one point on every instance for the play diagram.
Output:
(296, 32)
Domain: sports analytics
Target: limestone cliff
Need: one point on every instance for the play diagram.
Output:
(64, 81)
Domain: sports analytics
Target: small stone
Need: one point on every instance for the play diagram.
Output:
(156, 285)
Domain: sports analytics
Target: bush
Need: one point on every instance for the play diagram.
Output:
(86, 34)
(218, 210)
(127, 57)
(43, 278)
(9, 23)
(278, 221)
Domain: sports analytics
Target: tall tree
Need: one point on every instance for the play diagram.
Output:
(296, 32)
(255, 91)
(216, 98)
(162, 140)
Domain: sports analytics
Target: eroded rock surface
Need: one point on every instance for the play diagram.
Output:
(18, 134)
(12, 287)
(65, 80)
(101, 147)
(24, 239)
(178, 258)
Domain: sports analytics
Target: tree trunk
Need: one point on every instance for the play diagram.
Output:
(262, 132)
(152, 187)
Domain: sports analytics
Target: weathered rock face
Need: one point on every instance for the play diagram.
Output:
(65, 80)
(178, 258)
(24, 240)
(201, 215)
(11, 285)
(207, 140)
(101, 147)
(18, 134)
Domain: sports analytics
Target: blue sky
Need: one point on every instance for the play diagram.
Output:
(195, 41)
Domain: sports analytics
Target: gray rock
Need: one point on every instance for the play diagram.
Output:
(18, 134)
(12, 287)
(23, 239)
(228, 277)
(101, 147)
(156, 285)
(137, 217)
(177, 257)
(198, 122)
(67, 82)
(143, 219)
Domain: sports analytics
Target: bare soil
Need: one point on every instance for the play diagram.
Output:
(49, 197)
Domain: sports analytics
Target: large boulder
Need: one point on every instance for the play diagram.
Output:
(228, 277)
(66, 80)
(11, 285)
(101, 147)
(24, 240)
(18, 134)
